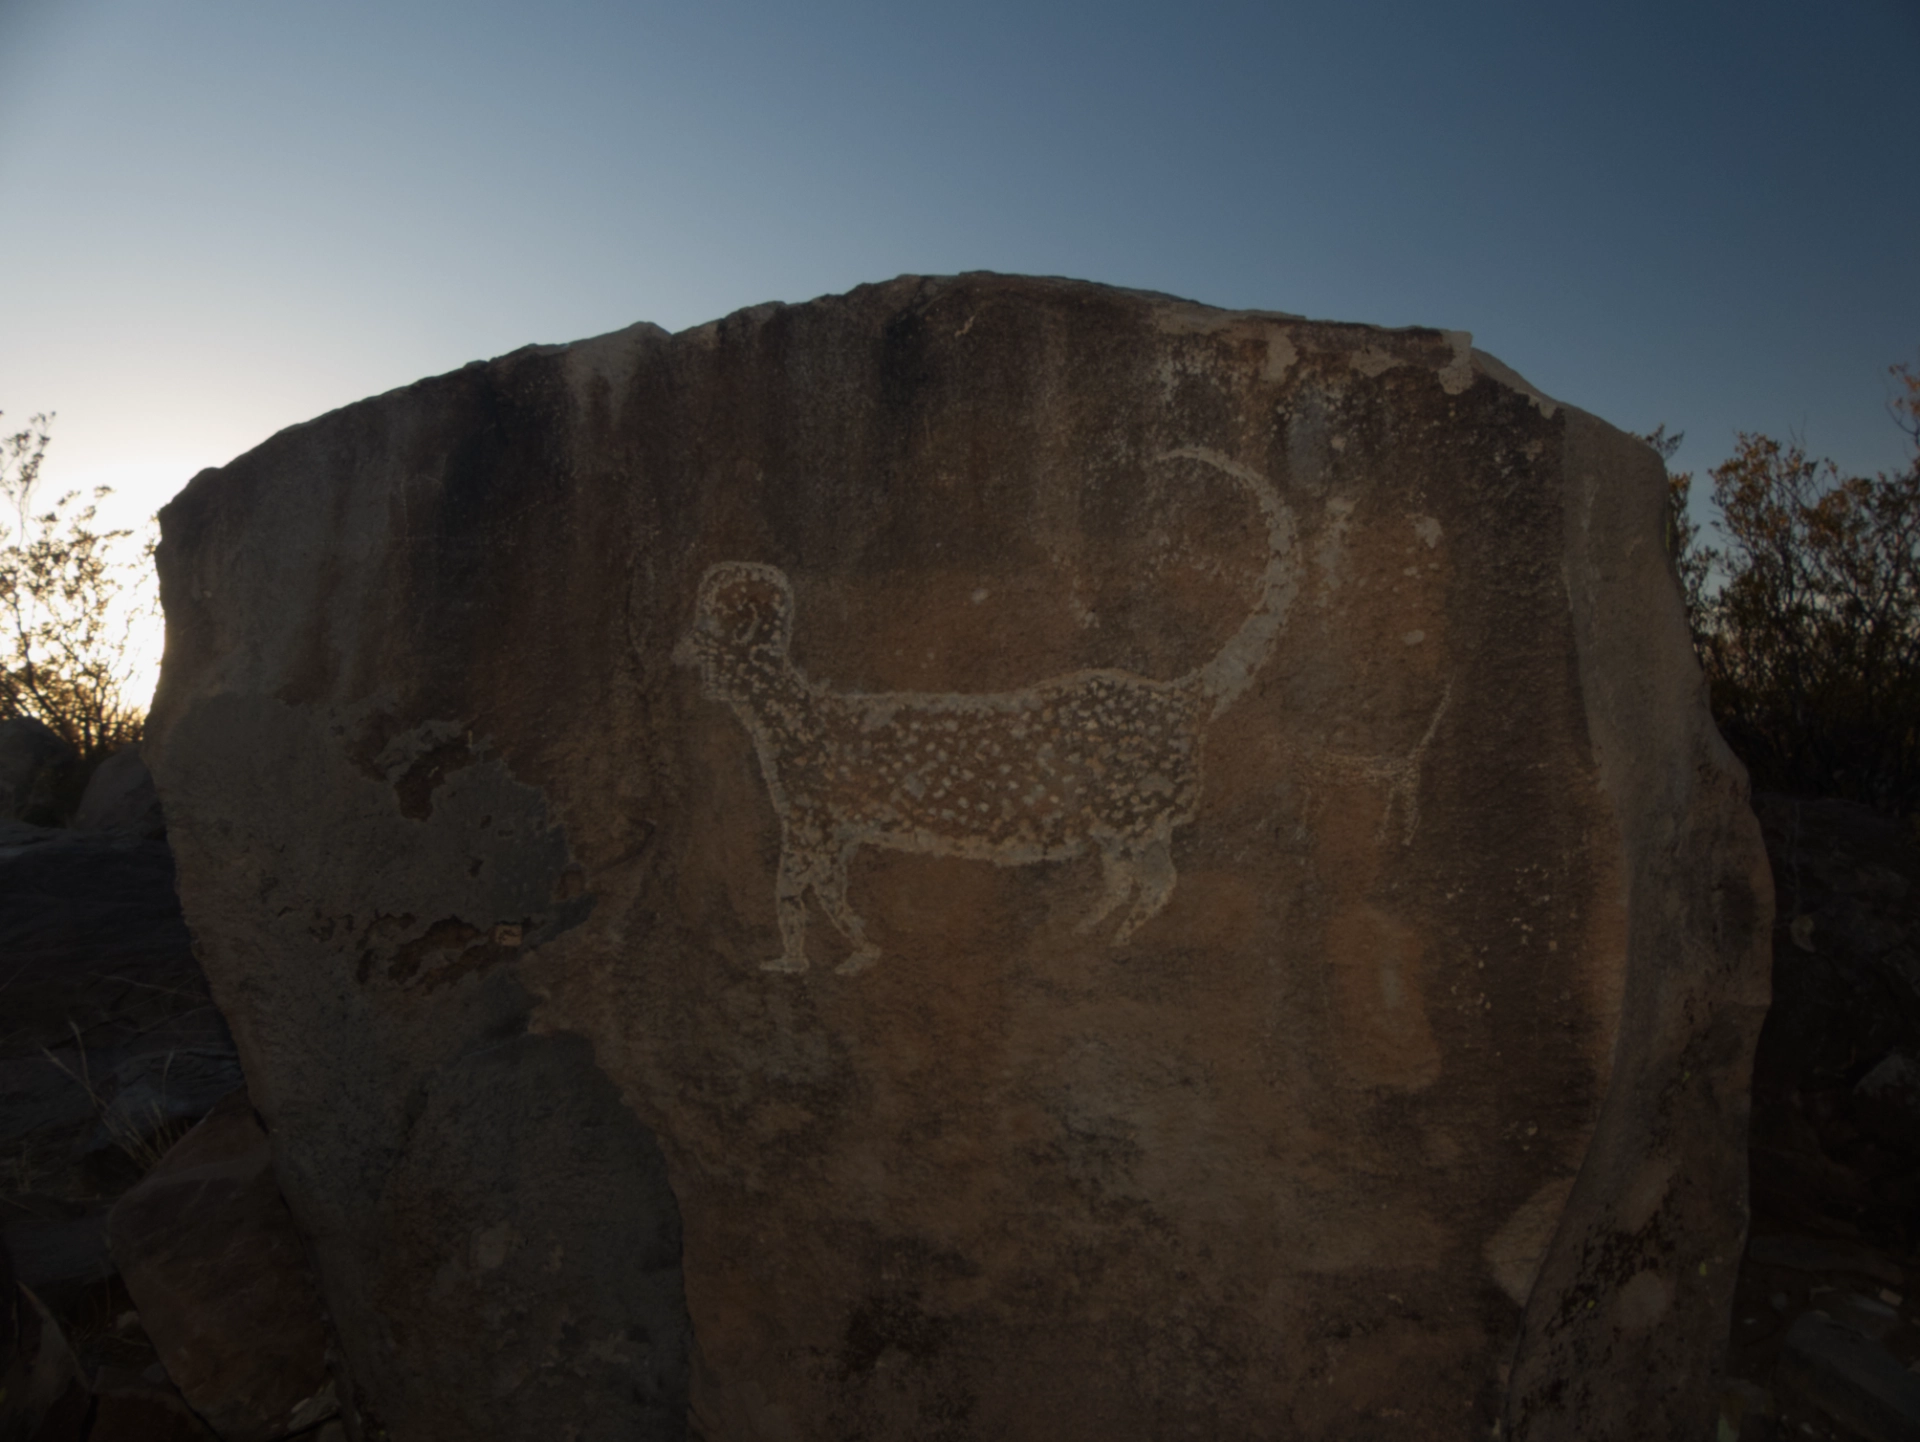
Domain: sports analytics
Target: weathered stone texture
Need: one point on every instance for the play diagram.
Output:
(1140, 871)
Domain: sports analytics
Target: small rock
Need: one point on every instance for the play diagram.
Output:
(209, 1253)
(1746, 1410)
(58, 1258)
(1823, 1254)
(1852, 1379)
(1886, 1101)
(1865, 1315)
(42, 1394)
(120, 797)
(138, 1410)
(34, 764)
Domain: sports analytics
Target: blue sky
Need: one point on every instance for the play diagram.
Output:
(226, 216)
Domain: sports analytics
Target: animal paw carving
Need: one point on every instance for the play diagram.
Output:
(860, 961)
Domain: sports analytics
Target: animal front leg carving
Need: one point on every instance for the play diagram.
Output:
(790, 904)
(1136, 870)
(813, 867)
(831, 889)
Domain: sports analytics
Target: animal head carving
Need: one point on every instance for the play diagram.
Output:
(742, 627)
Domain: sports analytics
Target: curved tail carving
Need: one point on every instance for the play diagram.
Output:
(1227, 676)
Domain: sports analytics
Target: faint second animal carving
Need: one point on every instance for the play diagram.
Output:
(1100, 759)
(1400, 773)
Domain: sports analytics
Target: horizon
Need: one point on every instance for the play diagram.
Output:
(233, 219)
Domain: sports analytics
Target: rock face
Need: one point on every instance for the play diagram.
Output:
(981, 858)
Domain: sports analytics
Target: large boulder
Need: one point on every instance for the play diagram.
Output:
(981, 858)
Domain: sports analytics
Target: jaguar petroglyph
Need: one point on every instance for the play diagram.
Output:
(1099, 759)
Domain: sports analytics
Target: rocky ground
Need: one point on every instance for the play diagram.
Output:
(1826, 1323)
(198, 1321)
(111, 1053)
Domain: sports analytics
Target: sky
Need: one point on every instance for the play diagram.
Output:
(223, 217)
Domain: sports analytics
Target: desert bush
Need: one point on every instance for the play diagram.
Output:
(69, 600)
(1806, 615)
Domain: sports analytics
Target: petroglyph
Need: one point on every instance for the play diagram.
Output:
(1400, 774)
(1095, 759)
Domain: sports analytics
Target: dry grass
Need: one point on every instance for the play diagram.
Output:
(144, 1140)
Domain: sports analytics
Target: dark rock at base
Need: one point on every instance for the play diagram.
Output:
(43, 1397)
(211, 1257)
(34, 766)
(1869, 1316)
(120, 797)
(1824, 1254)
(1852, 1379)
(59, 1258)
(1835, 1143)
(1886, 1101)
(93, 938)
(139, 1409)
(110, 1045)
(105, 897)
(1747, 1412)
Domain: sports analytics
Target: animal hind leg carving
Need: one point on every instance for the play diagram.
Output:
(1141, 874)
(1118, 880)
(830, 888)
(1153, 869)
(790, 906)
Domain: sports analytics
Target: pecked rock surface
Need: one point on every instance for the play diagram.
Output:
(983, 858)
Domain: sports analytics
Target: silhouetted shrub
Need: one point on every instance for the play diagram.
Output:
(67, 609)
(1807, 617)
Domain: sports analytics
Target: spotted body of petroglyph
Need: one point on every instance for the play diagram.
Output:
(1099, 759)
